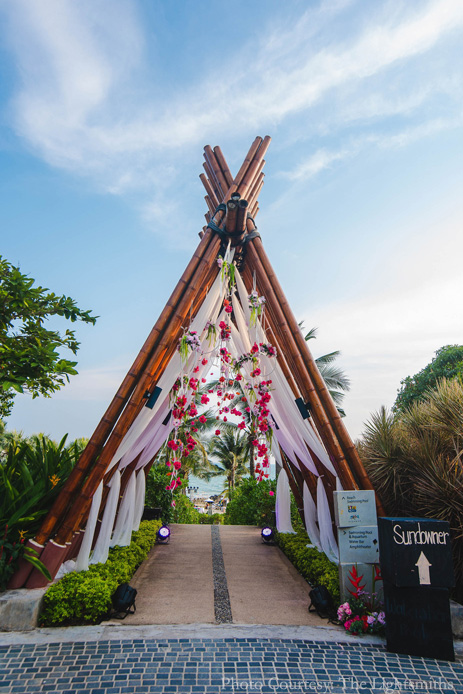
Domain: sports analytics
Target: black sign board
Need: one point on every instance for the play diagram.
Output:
(418, 621)
(415, 552)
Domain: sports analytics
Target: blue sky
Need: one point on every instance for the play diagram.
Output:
(105, 108)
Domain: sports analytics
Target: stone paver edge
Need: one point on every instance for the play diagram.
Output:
(119, 632)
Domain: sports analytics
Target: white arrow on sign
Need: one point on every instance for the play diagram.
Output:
(423, 570)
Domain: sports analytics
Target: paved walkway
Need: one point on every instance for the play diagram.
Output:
(185, 581)
(203, 567)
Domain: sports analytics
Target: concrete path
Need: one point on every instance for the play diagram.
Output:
(176, 583)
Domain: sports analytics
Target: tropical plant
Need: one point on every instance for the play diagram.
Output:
(415, 461)
(253, 503)
(85, 597)
(230, 448)
(336, 380)
(29, 352)
(447, 363)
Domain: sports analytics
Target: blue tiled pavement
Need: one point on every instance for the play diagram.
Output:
(228, 665)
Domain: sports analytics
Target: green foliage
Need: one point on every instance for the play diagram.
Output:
(335, 379)
(85, 597)
(311, 564)
(448, 363)
(29, 352)
(157, 496)
(415, 462)
(32, 473)
(252, 504)
(184, 511)
(11, 552)
(212, 519)
(231, 450)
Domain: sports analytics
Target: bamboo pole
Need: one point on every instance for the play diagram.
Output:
(119, 401)
(132, 407)
(212, 180)
(255, 167)
(210, 205)
(345, 442)
(255, 190)
(254, 178)
(230, 217)
(305, 384)
(241, 216)
(209, 190)
(214, 164)
(224, 167)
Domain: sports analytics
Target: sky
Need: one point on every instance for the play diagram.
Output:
(105, 106)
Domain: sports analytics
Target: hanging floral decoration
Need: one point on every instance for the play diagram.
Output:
(256, 306)
(242, 390)
(189, 342)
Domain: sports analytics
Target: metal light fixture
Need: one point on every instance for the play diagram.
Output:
(267, 535)
(163, 534)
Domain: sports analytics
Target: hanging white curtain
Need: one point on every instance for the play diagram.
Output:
(139, 499)
(283, 504)
(123, 528)
(86, 546)
(310, 517)
(328, 542)
(101, 550)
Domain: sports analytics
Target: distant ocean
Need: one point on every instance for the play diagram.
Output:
(216, 485)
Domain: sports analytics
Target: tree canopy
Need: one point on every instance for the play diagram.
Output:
(30, 359)
(447, 363)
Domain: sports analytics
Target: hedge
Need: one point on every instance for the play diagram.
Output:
(311, 564)
(85, 597)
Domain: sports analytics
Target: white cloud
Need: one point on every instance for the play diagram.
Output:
(392, 329)
(76, 57)
(323, 158)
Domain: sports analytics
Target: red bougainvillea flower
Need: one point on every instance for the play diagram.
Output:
(255, 373)
(241, 425)
(173, 445)
(203, 419)
(177, 464)
(204, 362)
(204, 399)
(217, 432)
(271, 493)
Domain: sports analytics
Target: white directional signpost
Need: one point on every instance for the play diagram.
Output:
(417, 570)
(355, 514)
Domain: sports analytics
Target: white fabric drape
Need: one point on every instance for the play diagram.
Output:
(139, 499)
(310, 517)
(124, 523)
(101, 550)
(327, 540)
(86, 546)
(283, 504)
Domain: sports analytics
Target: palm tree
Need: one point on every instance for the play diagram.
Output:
(336, 380)
(231, 450)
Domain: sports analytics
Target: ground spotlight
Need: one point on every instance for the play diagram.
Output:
(267, 535)
(163, 534)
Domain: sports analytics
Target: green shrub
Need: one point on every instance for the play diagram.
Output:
(85, 597)
(311, 564)
(213, 519)
(252, 504)
(184, 511)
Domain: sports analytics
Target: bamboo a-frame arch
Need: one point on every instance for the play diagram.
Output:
(232, 206)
